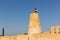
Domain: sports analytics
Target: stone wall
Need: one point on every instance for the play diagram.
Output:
(8, 38)
(39, 36)
(18, 37)
(22, 37)
(46, 36)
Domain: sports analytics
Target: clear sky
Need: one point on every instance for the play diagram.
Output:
(14, 14)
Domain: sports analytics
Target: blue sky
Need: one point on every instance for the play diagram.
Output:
(14, 14)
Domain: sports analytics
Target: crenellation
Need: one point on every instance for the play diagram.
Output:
(53, 29)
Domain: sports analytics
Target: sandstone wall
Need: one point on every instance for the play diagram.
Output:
(46, 36)
(18, 37)
(8, 38)
(22, 37)
(40, 36)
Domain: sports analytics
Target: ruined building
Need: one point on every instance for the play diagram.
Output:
(34, 31)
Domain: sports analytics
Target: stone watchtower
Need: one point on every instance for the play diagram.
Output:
(34, 23)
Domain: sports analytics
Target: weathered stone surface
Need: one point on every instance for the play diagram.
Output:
(34, 24)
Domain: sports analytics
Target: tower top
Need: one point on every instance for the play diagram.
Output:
(35, 10)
